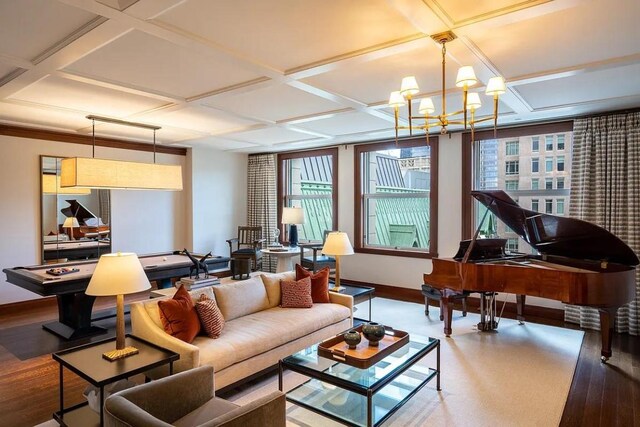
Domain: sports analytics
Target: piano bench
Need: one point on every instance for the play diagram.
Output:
(430, 292)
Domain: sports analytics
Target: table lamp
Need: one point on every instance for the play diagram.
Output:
(71, 222)
(293, 216)
(337, 244)
(118, 274)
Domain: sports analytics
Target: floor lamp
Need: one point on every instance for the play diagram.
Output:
(118, 274)
(337, 244)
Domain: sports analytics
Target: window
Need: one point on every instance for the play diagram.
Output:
(560, 183)
(535, 184)
(548, 183)
(394, 212)
(560, 144)
(511, 185)
(560, 164)
(309, 180)
(512, 167)
(535, 144)
(512, 245)
(548, 162)
(512, 148)
(548, 142)
(548, 206)
(535, 165)
(560, 206)
(535, 205)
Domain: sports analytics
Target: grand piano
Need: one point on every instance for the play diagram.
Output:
(579, 263)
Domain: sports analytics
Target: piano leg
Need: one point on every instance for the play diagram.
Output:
(520, 299)
(607, 321)
(446, 308)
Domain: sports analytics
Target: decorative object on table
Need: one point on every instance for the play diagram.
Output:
(337, 244)
(363, 356)
(240, 268)
(61, 271)
(191, 283)
(293, 217)
(319, 283)
(352, 338)
(373, 332)
(275, 242)
(198, 266)
(92, 393)
(70, 223)
(118, 274)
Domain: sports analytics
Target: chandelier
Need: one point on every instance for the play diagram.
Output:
(471, 100)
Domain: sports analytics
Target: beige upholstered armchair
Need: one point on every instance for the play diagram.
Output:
(188, 399)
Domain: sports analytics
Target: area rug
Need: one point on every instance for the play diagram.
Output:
(517, 376)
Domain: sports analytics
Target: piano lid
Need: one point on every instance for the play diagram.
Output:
(556, 235)
(77, 209)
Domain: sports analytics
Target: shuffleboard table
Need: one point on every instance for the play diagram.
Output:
(74, 306)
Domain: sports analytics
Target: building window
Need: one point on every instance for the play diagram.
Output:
(548, 142)
(511, 185)
(309, 180)
(512, 167)
(512, 148)
(512, 245)
(560, 164)
(535, 144)
(560, 206)
(548, 183)
(560, 183)
(535, 184)
(394, 212)
(535, 205)
(548, 164)
(560, 144)
(535, 165)
(548, 206)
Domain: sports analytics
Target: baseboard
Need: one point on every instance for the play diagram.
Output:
(32, 304)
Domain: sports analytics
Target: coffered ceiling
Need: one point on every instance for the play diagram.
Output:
(272, 75)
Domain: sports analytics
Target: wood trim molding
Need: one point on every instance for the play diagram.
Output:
(74, 138)
(22, 306)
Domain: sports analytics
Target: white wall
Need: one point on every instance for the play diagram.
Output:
(142, 221)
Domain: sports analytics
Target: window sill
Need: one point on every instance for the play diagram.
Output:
(396, 252)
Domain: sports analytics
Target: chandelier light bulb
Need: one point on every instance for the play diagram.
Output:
(409, 86)
(473, 101)
(466, 77)
(426, 106)
(396, 99)
(496, 86)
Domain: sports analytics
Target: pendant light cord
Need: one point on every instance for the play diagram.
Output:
(93, 132)
(154, 146)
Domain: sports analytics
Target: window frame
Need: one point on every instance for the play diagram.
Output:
(516, 167)
(359, 198)
(282, 197)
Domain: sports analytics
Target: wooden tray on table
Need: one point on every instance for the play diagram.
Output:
(364, 355)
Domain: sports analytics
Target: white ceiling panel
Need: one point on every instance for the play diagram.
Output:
(29, 27)
(583, 88)
(31, 116)
(272, 135)
(275, 103)
(57, 92)
(164, 135)
(145, 61)
(290, 33)
(222, 143)
(5, 69)
(199, 118)
(459, 12)
(346, 123)
(595, 30)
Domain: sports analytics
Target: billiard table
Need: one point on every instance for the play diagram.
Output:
(74, 306)
(76, 249)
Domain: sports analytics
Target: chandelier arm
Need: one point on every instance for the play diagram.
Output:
(395, 114)
(464, 106)
(495, 116)
(444, 91)
(410, 123)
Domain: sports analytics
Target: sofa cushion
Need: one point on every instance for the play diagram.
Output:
(154, 312)
(319, 282)
(241, 298)
(260, 332)
(296, 294)
(207, 412)
(271, 283)
(179, 316)
(210, 316)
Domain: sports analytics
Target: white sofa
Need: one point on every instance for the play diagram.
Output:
(257, 332)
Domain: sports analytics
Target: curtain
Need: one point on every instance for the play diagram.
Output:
(104, 202)
(605, 190)
(261, 199)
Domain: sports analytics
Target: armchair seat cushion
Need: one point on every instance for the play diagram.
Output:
(246, 251)
(205, 413)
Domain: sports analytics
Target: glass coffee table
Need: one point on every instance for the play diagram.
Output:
(361, 397)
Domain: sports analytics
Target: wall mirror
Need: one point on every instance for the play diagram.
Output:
(75, 223)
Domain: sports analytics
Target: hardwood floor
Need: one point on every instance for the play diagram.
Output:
(601, 394)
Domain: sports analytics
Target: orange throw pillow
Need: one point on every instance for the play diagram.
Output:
(179, 316)
(319, 283)
(296, 294)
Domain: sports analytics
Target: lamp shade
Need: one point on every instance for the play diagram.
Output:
(71, 222)
(292, 216)
(337, 243)
(473, 101)
(51, 185)
(115, 174)
(496, 86)
(409, 86)
(396, 99)
(118, 274)
(466, 76)
(426, 106)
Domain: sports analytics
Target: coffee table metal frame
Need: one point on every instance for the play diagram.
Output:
(368, 391)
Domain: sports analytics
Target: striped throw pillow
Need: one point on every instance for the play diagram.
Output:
(296, 294)
(210, 316)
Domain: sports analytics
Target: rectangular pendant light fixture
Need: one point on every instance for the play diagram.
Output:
(51, 185)
(83, 172)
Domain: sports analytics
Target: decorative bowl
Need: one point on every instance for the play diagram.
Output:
(352, 338)
(373, 332)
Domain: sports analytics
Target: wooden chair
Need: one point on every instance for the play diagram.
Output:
(317, 260)
(248, 245)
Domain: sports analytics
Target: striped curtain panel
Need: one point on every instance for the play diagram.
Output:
(605, 190)
(261, 201)
(104, 202)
